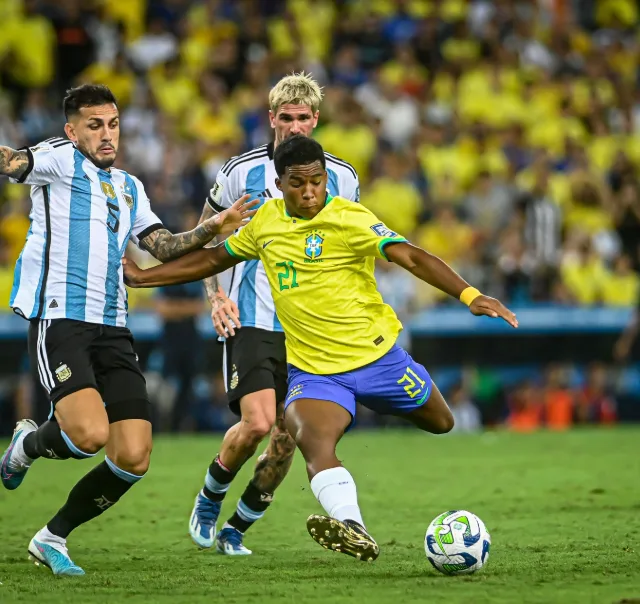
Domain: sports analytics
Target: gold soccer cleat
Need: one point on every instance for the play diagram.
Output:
(346, 537)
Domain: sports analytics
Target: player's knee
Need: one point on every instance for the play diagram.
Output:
(89, 438)
(133, 459)
(256, 429)
(319, 452)
(444, 423)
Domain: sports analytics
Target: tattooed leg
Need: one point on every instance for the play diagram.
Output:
(270, 471)
(273, 465)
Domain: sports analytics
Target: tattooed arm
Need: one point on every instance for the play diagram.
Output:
(165, 246)
(13, 163)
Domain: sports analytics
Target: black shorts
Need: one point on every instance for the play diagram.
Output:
(67, 356)
(254, 359)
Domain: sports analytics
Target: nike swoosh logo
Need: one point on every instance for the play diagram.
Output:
(266, 243)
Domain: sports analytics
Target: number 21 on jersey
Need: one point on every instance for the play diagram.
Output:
(288, 278)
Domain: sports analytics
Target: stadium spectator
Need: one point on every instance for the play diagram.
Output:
(394, 182)
(466, 415)
(179, 306)
(558, 399)
(595, 403)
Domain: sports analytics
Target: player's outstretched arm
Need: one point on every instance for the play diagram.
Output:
(435, 272)
(192, 267)
(13, 163)
(165, 246)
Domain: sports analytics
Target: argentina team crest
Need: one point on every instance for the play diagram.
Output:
(313, 245)
(63, 373)
(128, 197)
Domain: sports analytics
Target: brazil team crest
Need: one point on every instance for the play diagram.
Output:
(313, 245)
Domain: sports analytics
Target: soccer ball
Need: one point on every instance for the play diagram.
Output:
(457, 543)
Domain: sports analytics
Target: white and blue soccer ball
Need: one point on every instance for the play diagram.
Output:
(457, 543)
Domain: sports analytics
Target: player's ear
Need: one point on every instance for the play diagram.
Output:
(70, 131)
(279, 184)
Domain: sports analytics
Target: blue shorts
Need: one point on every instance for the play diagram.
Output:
(392, 385)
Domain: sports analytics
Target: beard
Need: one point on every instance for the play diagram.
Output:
(102, 163)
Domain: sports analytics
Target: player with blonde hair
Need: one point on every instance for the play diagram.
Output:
(244, 316)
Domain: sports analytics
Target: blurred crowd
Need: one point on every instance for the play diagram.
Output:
(561, 397)
(502, 136)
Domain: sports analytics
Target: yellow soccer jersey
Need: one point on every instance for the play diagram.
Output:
(322, 282)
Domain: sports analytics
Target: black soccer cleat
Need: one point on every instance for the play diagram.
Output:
(348, 537)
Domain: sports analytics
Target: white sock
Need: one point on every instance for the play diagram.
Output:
(44, 534)
(336, 491)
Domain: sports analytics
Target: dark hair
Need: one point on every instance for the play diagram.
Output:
(87, 95)
(297, 150)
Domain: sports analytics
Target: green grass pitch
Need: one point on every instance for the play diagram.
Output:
(563, 511)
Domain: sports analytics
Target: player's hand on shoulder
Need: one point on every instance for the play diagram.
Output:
(237, 215)
(224, 314)
(132, 272)
(490, 307)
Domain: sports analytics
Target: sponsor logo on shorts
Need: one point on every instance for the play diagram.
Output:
(63, 373)
(383, 231)
(233, 384)
(313, 245)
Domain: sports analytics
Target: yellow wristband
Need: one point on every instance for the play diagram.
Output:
(468, 295)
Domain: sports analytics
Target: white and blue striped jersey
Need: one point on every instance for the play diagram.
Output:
(81, 220)
(254, 173)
